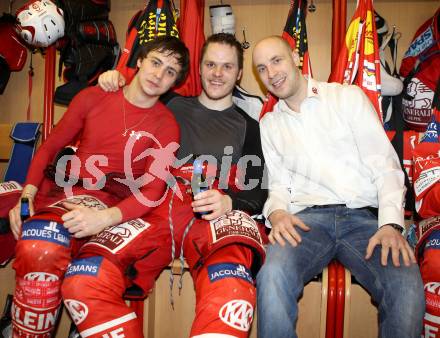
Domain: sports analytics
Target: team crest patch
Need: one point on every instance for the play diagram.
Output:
(433, 287)
(427, 224)
(417, 104)
(229, 270)
(8, 187)
(238, 314)
(84, 266)
(235, 223)
(48, 231)
(115, 238)
(83, 200)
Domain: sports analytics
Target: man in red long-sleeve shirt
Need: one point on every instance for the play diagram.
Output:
(224, 246)
(114, 130)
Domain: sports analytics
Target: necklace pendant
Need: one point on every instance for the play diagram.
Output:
(133, 133)
(124, 133)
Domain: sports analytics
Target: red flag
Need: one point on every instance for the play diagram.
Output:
(358, 62)
(345, 68)
(191, 33)
(295, 33)
(157, 19)
(368, 77)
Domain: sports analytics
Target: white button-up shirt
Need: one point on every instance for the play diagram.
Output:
(333, 151)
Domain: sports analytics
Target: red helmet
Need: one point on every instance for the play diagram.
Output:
(11, 49)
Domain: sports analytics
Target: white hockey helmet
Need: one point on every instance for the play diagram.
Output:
(41, 23)
(222, 19)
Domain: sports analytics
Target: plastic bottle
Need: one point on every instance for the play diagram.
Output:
(24, 209)
(198, 182)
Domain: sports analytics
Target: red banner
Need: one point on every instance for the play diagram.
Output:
(358, 61)
(295, 33)
(191, 33)
(157, 19)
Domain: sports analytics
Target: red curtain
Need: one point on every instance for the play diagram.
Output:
(191, 32)
(338, 27)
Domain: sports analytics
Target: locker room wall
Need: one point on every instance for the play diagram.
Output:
(260, 18)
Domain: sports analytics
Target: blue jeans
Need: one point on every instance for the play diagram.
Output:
(338, 233)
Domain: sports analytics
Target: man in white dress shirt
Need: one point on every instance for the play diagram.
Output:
(336, 191)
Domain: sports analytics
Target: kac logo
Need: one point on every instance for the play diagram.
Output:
(78, 311)
(41, 277)
(433, 287)
(238, 314)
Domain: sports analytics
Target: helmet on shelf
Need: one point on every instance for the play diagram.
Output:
(41, 23)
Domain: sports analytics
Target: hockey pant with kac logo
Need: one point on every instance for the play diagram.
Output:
(97, 283)
(430, 271)
(221, 269)
(42, 255)
(225, 294)
(42, 265)
(224, 303)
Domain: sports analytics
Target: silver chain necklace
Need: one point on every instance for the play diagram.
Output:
(125, 122)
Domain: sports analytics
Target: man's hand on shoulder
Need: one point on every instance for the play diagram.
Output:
(283, 228)
(391, 240)
(111, 81)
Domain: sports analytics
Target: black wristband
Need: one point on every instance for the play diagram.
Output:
(396, 226)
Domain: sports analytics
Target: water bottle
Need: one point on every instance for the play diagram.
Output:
(198, 182)
(24, 209)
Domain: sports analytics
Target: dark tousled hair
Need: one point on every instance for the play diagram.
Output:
(171, 46)
(225, 39)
